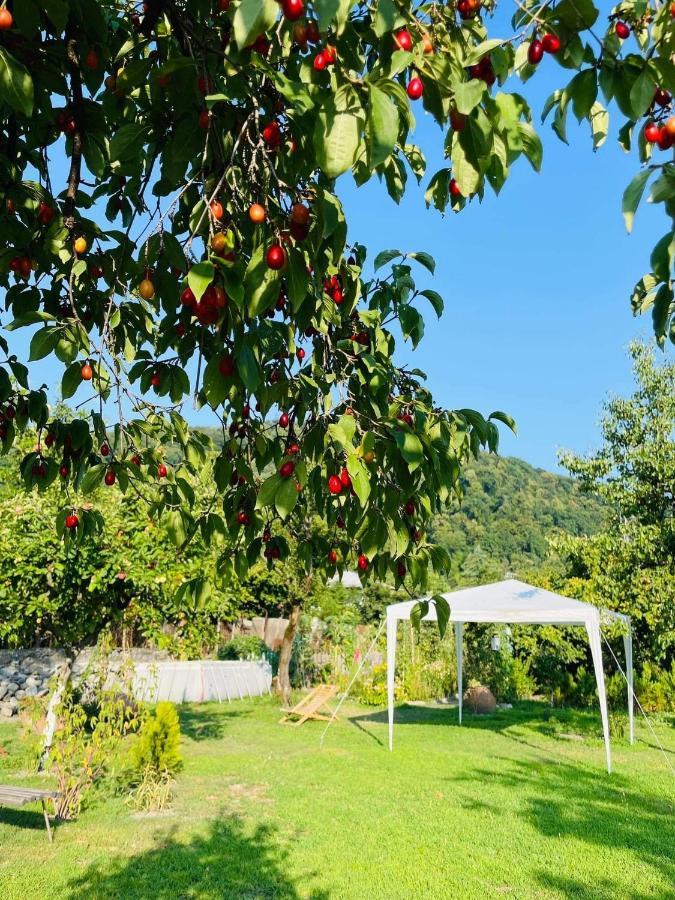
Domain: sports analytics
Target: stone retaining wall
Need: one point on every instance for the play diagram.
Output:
(26, 673)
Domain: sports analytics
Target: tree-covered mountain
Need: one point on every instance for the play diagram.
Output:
(508, 512)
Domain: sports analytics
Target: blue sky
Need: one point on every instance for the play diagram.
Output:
(536, 284)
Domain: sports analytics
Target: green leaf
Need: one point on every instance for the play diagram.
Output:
(424, 259)
(215, 385)
(57, 11)
(468, 94)
(583, 90)
(416, 160)
(411, 448)
(261, 284)
(286, 497)
(43, 342)
(174, 524)
(662, 311)
(267, 491)
(72, 379)
(442, 612)
(16, 85)
(127, 142)
(386, 17)
(599, 119)
(27, 17)
(435, 299)
(412, 324)
(92, 479)
(532, 147)
(437, 190)
(508, 420)
(576, 14)
(632, 196)
(663, 189)
(662, 256)
(298, 279)
(343, 431)
(418, 612)
(248, 368)
(642, 93)
(477, 53)
(199, 277)
(20, 372)
(337, 132)
(360, 476)
(330, 11)
(384, 257)
(464, 170)
(382, 126)
(252, 18)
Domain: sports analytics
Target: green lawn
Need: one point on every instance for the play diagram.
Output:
(516, 804)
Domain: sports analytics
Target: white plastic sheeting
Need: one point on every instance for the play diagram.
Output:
(201, 680)
(510, 602)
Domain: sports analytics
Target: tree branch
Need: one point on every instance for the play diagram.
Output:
(75, 171)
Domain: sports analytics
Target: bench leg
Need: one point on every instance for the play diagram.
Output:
(49, 827)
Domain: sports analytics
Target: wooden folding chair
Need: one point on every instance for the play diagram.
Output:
(309, 706)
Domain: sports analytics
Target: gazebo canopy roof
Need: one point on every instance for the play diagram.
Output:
(509, 601)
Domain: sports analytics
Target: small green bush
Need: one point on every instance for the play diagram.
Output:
(157, 747)
(523, 684)
(243, 646)
(248, 646)
(371, 688)
(617, 725)
(655, 688)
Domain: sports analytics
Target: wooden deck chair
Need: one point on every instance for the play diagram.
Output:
(309, 706)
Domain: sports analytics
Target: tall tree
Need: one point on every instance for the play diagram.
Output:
(630, 564)
(210, 135)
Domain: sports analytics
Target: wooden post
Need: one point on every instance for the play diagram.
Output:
(46, 815)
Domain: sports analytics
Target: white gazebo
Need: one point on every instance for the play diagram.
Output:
(512, 602)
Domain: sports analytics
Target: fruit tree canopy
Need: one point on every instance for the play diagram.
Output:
(513, 601)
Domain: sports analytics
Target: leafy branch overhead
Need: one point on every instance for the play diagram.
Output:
(172, 234)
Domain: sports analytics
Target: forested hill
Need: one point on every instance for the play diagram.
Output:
(508, 512)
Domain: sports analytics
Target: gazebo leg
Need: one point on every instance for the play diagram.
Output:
(628, 648)
(593, 629)
(459, 652)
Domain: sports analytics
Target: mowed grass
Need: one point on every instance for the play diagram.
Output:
(514, 804)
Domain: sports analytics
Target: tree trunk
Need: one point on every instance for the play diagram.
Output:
(283, 675)
(63, 677)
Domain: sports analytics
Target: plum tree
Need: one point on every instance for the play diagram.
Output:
(194, 246)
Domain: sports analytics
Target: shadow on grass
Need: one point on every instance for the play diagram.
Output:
(208, 721)
(25, 818)
(536, 716)
(228, 862)
(566, 800)
(602, 887)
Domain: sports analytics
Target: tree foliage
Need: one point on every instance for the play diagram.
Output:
(195, 246)
(630, 565)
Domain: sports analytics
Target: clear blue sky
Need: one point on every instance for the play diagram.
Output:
(536, 284)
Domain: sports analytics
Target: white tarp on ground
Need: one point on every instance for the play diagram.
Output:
(200, 680)
(512, 602)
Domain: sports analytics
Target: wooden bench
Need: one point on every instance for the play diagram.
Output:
(19, 796)
(309, 706)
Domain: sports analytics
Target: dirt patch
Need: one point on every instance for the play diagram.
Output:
(240, 794)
